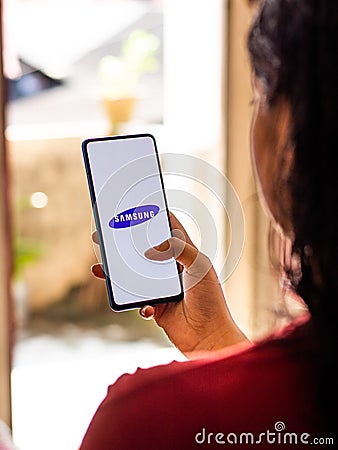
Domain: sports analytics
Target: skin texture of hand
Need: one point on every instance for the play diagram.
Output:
(201, 322)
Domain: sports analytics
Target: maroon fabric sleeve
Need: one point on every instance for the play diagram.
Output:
(185, 404)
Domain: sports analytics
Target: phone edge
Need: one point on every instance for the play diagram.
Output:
(135, 305)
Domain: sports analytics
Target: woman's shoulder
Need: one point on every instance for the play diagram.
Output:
(274, 357)
(247, 388)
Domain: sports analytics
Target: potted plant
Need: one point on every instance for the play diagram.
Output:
(119, 75)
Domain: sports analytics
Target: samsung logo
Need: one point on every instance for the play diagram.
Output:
(134, 216)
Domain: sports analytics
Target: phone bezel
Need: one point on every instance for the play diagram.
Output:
(133, 305)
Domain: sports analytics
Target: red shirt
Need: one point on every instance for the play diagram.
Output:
(264, 390)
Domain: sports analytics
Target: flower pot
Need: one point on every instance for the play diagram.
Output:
(118, 110)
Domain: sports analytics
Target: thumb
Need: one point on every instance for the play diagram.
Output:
(196, 264)
(174, 247)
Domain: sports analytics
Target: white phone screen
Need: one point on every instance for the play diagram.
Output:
(131, 216)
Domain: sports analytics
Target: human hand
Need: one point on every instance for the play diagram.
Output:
(201, 321)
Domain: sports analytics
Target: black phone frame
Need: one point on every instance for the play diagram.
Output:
(133, 305)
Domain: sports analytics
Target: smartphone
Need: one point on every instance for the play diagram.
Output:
(131, 215)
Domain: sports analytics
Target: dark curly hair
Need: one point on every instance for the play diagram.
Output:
(293, 47)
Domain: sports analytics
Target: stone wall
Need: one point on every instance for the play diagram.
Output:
(61, 231)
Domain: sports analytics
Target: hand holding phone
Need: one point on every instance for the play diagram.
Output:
(131, 215)
(202, 321)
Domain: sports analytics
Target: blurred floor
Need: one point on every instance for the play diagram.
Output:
(58, 382)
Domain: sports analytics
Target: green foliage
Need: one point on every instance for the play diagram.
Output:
(118, 75)
(139, 51)
(25, 252)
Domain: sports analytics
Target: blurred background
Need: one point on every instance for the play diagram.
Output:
(75, 69)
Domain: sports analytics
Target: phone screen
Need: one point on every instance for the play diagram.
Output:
(131, 215)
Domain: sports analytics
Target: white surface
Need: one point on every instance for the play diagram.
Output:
(59, 32)
(58, 384)
(194, 41)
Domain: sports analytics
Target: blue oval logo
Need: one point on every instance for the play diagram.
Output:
(134, 216)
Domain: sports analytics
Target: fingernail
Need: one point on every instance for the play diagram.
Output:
(147, 312)
(151, 252)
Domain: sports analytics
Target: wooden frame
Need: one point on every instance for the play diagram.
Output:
(6, 322)
(253, 286)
